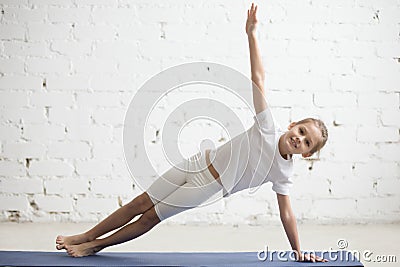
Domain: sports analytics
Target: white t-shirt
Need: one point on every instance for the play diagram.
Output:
(252, 158)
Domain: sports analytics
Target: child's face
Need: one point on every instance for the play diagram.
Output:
(301, 138)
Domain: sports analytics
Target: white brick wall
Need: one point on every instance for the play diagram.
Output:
(68, 70)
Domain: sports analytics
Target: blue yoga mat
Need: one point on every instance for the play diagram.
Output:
(232, 259)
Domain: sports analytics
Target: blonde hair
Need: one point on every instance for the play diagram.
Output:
(324, 133)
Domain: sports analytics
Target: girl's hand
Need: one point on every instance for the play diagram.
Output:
(251, 22)
(311, 258)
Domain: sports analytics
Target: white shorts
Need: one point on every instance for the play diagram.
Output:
(177, 190)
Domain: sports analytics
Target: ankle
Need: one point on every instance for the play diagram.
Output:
(97, 245)
(89, 237)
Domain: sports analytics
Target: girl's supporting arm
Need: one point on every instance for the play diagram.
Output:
(289, 224)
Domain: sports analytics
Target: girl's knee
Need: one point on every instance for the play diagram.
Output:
(141, 202)
(150, 218)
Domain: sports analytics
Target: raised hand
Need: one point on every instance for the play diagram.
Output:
(251, 22)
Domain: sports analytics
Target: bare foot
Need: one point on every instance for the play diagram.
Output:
(82, 250)
(63, 241)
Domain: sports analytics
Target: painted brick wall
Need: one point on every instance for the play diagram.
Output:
(69, 68)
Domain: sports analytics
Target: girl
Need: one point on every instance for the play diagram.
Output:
(176, 190)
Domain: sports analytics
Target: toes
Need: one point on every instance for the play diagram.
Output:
(60, 247)
(60, 239)
(70, 251)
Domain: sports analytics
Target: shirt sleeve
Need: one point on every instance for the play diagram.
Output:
(264, 121)
(282, 187)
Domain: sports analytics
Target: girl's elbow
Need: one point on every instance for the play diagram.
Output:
(286, 216)
(258, 79)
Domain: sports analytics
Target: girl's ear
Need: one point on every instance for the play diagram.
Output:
(291, 125)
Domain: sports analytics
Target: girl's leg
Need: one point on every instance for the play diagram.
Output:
(119, 218)
(122, 216)
(161, 188)
(184, 198)
(146, 222)
(178, 192)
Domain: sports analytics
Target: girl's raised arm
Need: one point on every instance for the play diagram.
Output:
(257, 68)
